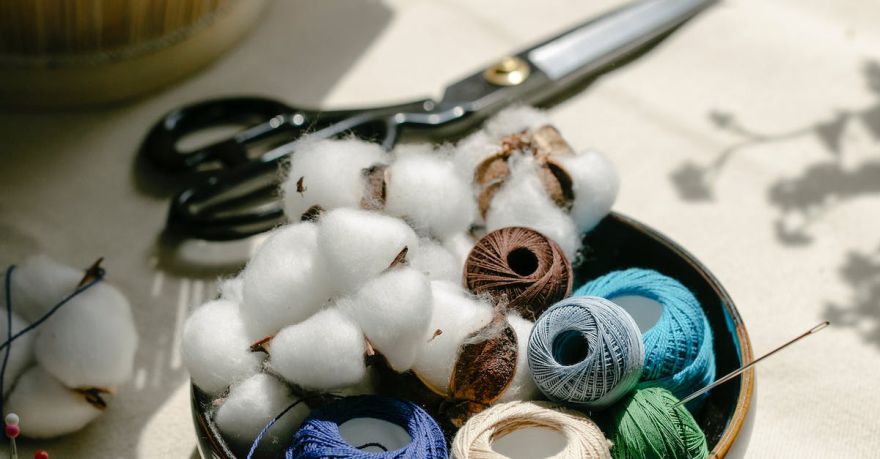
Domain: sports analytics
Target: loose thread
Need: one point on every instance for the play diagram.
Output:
(8, 349)
(269, 425)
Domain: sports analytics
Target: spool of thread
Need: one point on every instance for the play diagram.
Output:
(583, 438)
(586, 351)
(678, 348)
(647, 424)
(319, 436)
(521, 264)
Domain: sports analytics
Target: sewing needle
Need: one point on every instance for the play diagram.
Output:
(736, 373)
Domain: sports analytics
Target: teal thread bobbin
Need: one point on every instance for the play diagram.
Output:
(678, 348)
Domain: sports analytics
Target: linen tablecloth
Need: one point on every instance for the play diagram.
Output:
(751, 137)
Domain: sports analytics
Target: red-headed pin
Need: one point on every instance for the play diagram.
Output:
(41, 454)
(12, 431)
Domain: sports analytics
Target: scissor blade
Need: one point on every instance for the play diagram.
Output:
(606, 38)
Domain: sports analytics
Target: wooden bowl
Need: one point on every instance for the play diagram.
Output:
(620, 242)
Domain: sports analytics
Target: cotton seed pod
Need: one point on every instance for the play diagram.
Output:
(324, 352)
(424, 190)
(394, 311)
(328, 173)
(215, 347)
(40, 283)
(21, 353)
(91, 341)
(285, 281)
(357, 245)
(251, 404)
(48, 408)
(456, 314)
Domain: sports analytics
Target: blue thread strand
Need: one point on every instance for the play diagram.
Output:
(8, 285)
(585, 351)
(269, 425)
(319, 435)
(678, 348)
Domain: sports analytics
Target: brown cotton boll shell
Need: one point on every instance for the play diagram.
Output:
(483, 370)
(375, 187)
(547, 141)
(521, 266)
(558, 184)
(489, 176)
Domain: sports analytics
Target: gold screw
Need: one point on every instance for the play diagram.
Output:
(509, 71)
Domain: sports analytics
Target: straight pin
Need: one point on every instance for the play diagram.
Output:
(736, 373)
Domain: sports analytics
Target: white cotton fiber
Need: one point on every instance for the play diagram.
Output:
(91, 341)
(473, 150)
(21, 354)
(522, 201)
(460, 245)
(40, 283)
(215, 348)
(325, 352)
(46, 407)
(515, 119)
(251, 404)
(435, 261)
(284, 283)
(331, 175)
(595, 184)
(394, 311)
(357, 245)
(523, 386)
(457, 314)
(424, 190)
(231, 289)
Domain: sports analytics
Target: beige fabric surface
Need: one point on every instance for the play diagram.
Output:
(751, 137)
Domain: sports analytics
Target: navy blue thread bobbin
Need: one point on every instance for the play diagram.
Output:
(319, 435)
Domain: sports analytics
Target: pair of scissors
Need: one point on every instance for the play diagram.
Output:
(237, 196)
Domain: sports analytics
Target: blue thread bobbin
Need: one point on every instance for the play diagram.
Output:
(319, 436)
(586, 351)
(678, 349)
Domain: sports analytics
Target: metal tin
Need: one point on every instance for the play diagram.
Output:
(620, 242)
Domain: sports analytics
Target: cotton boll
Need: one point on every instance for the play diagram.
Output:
(424, 190)
(357, 245)
(324, 352)
(46, 407)
(435, 261)
(91, 341)
(284, 283)
(215, 348)
(331, 175)
(522, 387)
(231, 289)
(522, 201)
(40, 283)
(22, 350)
(457, 314)
(595, 184)
(251, 404)
(515, 119)
(394, 311)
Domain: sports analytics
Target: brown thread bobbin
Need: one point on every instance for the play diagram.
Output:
(521, 265)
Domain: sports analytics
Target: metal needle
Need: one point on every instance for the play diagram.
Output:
(736, 373)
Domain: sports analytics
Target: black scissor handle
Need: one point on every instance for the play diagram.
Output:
(236, 203)
(161, 145)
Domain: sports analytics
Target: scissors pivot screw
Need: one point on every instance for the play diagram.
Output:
(509, 71)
